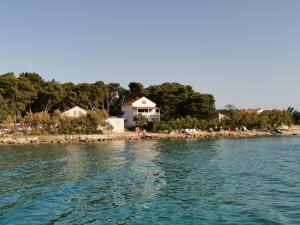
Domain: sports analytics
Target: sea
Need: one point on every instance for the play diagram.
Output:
(215, 182)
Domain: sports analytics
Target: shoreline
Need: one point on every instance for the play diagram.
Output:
(127, 136)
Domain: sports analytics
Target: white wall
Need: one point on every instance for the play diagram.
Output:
(143, 102)
(128, 115)
(117, 123)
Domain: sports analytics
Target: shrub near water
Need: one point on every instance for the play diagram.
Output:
(37, 123)
(88, 124)
(180, 123)
(140, 120)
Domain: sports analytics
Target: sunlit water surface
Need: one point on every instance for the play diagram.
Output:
(231, 181)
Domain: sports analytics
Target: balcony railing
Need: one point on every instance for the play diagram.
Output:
(149, 113)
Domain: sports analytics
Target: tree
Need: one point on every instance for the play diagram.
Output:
(35, 79)
(296, 117)
(199, 106)
(70, 99)
(51, 95)
(275, 118)
(230, 107)
(170, 97)
(84, 96)
(136, 90)
(4, 112)
(140, 120)
(177, 100)
(229, 110)
(98, 94)
(268, 119)
(290, 109)
(28, 92)
(94, 120)
(17, 92)
(114, 90)
(247, 119)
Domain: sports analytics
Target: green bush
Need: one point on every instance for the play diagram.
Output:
(140, 120)
(180, 123)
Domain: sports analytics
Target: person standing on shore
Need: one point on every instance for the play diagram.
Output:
(138, 131)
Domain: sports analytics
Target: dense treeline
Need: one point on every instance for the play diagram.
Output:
(238, 119)
(29, 92)
(269, 119)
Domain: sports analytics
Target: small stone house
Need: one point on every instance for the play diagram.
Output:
(222, 117)
(75, 112)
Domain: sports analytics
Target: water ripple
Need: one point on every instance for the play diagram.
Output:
(239, 181)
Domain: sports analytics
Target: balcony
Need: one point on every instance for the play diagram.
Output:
(148, 111)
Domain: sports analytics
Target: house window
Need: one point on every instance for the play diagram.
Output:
(143, 110)
(144, 102)
(157, 110)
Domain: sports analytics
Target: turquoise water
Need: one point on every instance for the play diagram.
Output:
(231, 181)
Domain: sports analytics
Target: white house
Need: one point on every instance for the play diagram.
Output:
(143, 106)
(222, 117)
(74, 112)
(117, 123)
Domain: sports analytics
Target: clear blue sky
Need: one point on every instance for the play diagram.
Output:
(244, 52)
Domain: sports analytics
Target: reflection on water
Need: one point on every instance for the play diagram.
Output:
(75, 165)
(145, 168)
(245, 181)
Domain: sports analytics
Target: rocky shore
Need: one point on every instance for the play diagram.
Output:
(95, 138)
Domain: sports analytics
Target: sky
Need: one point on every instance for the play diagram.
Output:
(245, 53)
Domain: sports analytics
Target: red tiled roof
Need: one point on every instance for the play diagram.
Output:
(130, 101)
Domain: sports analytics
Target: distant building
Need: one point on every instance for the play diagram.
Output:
(258, 110)
(222, 117)
(117, 123)
(75, 112)
(142, 106)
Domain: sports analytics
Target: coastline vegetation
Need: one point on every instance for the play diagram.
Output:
(179, 124)
(269, 119)
(45, 123)
(37, 104)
